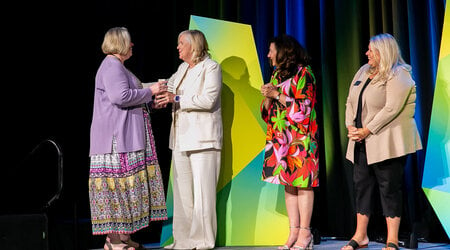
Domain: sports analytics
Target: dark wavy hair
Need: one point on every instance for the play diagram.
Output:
(290, 54)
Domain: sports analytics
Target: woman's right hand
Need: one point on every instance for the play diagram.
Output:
(268, 90)
(158, 87)
(351, 132)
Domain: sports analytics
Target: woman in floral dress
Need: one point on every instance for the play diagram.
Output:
(291, 153)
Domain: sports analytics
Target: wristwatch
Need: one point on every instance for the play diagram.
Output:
(177, 98)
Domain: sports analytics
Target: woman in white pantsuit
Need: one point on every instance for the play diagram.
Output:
(196, 142)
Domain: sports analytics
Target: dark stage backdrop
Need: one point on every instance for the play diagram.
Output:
(52, 51)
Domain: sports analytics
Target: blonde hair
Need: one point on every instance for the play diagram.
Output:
(199, 45)
(389, 55)
(117, 40)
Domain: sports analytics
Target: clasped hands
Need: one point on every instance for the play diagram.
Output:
(357, 134)
(269, 91)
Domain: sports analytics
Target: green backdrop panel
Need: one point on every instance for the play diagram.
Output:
(436, 175)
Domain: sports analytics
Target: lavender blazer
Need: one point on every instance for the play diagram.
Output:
(117, 109)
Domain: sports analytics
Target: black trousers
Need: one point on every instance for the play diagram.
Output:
(386, 175)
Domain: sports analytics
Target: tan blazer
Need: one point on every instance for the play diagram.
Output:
(388, 112)
(199, 113)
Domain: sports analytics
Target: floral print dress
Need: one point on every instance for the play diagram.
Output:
(291, 153)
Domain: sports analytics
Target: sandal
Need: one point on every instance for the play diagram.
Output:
(286, 247)
(309, 245)
(132, 243)
(355, 245)
(392, 245)
(121, 246)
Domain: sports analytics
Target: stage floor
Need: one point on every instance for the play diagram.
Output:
(325, 244)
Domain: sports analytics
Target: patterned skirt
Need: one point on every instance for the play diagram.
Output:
(126, 189)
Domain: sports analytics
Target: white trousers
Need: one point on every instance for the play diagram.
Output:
(195, 176)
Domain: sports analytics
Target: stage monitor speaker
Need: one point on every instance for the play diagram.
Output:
(24, 232)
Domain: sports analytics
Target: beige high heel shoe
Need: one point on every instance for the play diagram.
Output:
(286, 247)
(309, 246)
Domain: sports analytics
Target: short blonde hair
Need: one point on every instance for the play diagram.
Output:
(199, 45)
(117, 40)
(389, 55)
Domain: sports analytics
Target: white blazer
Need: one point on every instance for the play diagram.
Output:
(199, 118)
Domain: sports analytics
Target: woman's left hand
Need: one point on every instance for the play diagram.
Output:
(158, 106)
(164, 98)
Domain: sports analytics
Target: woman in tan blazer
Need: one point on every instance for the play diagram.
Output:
(382, 131)
(196, 142)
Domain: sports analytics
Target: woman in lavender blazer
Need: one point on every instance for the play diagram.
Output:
(125, 184)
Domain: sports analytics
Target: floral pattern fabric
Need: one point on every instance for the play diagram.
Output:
(291, 153)
(126, 190)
